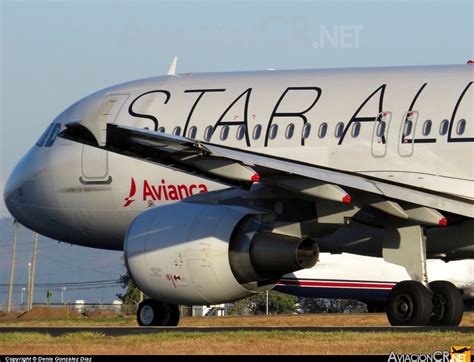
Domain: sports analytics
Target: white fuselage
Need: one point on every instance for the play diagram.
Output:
(368, 279)
(408, 125)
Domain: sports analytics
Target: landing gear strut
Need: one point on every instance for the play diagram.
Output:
(153, 313)
(416, 302)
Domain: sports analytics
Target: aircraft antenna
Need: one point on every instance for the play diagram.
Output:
(172, 68)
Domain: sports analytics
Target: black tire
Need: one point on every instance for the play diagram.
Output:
(448, 306)
(409, 304)
(149, 313)
(172, 318)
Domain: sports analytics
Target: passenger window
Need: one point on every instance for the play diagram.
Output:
(177, 131)
(192, 132)
(290, 130)
(306, 130)
(224, 133)
(241, 132)
(461, 127)
(257, 131)
(161, 129)
(273, 131)
(323, 129)
(381, 129)
(208, 133)
(443, 128)
(339, 130)
(407, 128)
(426, 128)
(355, 129)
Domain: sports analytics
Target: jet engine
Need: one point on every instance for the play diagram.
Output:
(197, 254)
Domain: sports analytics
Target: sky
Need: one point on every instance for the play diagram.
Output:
(58, 263)
(55, 52)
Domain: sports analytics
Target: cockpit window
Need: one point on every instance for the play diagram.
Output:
(45, 135)
(52, 135)
(49, 136)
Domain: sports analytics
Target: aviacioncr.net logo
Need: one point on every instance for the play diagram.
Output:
(437, 356)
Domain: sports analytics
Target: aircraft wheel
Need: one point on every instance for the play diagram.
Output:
(448, 306)
(153, 313)
(149, 313)
(409, 304)
(171, 315)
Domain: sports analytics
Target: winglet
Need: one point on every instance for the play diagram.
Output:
(172, 68)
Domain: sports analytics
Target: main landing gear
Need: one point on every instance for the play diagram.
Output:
(153, 313)
(448, 306)
(412, 304)
(417, 302)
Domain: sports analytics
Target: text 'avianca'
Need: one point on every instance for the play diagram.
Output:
(163, 191)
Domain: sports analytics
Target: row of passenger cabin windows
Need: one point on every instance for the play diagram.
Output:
(428, 125)
(257, 131)
(322, 131)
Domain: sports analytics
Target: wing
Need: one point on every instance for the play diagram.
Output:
(240, 167)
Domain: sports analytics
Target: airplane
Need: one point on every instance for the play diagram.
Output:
(461, 350)
(368, 279)
(215, 185)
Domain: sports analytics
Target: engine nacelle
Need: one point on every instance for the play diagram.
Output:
(198, 254)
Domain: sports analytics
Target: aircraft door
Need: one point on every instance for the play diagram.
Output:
(407, 133)
(94, 161)
(380, 134)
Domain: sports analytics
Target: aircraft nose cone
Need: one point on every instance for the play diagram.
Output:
(13, 191)
(25, 187)
(9, 195)
(31, 197)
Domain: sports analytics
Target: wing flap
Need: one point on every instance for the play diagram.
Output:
(447, 203)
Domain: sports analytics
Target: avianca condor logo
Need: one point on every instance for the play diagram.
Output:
(163, 191)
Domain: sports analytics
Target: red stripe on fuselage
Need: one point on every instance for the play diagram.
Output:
(333, 284)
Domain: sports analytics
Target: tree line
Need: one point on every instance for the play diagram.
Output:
(278, 303)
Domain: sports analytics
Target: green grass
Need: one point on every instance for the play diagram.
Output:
(71, 322)
(244, 342)
(236, 342)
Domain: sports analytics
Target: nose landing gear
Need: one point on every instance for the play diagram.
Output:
(153, 313)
